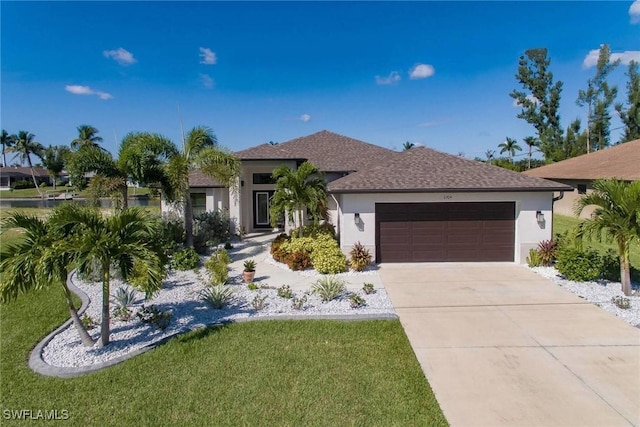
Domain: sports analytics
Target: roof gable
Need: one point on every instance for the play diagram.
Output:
(424, 169)
(328, 151)
(620, 161)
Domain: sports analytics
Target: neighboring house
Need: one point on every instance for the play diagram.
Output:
(11, 174)
(413, 206)
(620, 161)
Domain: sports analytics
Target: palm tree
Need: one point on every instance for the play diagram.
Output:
(296, 190)
(121, 239)
(24, 146)
(531, 142)
(408, 146)
(617, 216)
(490, 155)
(38, 260)
(200, 150)
(510, 146)
(53, 158)
(87, 137)
(7, 142)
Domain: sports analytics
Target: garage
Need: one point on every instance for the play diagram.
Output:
(445, 232)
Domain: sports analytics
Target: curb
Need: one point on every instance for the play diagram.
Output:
(38, 365)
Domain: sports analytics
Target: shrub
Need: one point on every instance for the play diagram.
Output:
(22, 184)
(123, 299)
(360, 257)
(533, 260)
(154, 316)
(280, 255)
(218, 270)
(621, 302)
(252, 286)
(222, 255)
(368, 288)
(228, 245)
(579, 265)
(284, 291)
(299, 260)
(547, 252)
(298, 303)
(329, 261)
(211, 228)
(88, 322)
(611, 266)
(217, 296)
(185, 259)
(171, 232)
(314, 230)
(356, 301)
(329, 288)
(258, 302)
(121, 313)
(278, 241)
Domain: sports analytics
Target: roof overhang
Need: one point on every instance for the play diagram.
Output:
(455, 190)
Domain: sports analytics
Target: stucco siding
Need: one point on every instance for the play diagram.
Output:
(528, 231)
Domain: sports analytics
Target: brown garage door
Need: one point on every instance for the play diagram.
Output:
(437, 232)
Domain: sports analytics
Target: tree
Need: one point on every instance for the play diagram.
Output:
(7, 142)
(489, 154)
(531, 143)
(38, 260)
(87, 137)
(631, 115)
(408, 146)
(539, 98)
(616, 216)
(24, 146)
(296, 190)
(200, 150)
(124, 239)
(598, 98)
(54, 158)
(510, 146)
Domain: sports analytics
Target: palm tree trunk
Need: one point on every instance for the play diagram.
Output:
(104, 323)
(86, 339)
(188, 220)
(625, 274)
(529, 162)
(300, 232)
(33, 175)
(125, 193)
(4, 157)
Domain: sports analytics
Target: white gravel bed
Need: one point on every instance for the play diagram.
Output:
(180, 296)
(599, 293)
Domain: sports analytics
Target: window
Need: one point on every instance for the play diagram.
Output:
(263, 178)
(198, 203)
(582, 188)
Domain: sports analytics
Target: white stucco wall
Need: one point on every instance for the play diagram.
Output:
(215, 198)
(528, 232)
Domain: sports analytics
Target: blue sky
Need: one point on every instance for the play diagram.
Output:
(433, 73)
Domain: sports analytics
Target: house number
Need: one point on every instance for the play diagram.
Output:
(448, 197)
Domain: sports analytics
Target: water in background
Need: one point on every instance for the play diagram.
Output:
(49, 203)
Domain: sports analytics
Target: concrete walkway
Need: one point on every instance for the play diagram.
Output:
(502, 346)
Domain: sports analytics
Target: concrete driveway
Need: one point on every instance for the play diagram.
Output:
(502, 346)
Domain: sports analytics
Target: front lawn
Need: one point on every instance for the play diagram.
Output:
(256, 373)
(562, 223)
(29, 193)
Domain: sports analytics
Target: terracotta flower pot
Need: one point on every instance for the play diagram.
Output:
(247, 276)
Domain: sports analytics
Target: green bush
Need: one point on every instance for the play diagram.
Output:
(314, 230)
(258, 302)
(154, 316)
(211, 228)
(356, 301)
(579, 265)
(218, 270)
(329, 261)
(368, 288)
(284, 291)
(611, 266)
(299, 260)
(22, 184)
(185, 259)
(297, 303)
(534, 260)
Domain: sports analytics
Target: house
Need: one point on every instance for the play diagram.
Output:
(11, 174)
(620, 161)
(413, 206)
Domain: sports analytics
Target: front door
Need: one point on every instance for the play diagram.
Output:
(261, 205)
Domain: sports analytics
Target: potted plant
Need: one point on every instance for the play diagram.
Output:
(249, 271)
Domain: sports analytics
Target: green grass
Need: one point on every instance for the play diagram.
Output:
(257, 373)
(562, 223)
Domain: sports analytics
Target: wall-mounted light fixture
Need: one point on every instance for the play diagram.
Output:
(357, 219)
(539, 217)
(242, 183)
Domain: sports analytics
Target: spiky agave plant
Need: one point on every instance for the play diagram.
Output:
(360, 257)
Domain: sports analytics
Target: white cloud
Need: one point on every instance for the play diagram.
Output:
(591, 60)
(121, 56)
(207, 81)
(305, 117)
(421, 71)
(393, 77)
(529, 97)
(86, 90)
(634, 12)
(207, 56)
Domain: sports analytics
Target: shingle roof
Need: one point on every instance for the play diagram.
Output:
(200, 179)
(620, 161)
(426, 170)
(328, 151)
